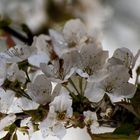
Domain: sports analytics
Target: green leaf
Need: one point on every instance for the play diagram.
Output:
(14, 137)
(136, 102)
(134, 105)
(4, 23)
(138, 70)
(109, 136)
(130, 108)
(37, 115)
(10, 128)
(125, 129)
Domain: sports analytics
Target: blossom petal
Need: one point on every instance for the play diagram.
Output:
(40, 57)
(40, 90)
(101, 129)
(127, 90)
(93, 93)
(74, 31)
(6, 121)
(58, 41)
(5, 101)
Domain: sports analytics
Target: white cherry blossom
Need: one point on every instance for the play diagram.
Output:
(61, 69)
(60, 110)
(61, 107)
(115, 85)
(123, 56)
(93, 59)
(90, 118)
(92, 121)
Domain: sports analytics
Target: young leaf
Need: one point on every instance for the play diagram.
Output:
(14, 137)
(124, 129)
(113, 137)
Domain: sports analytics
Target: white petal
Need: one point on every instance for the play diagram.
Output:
(126, 90)
(40, 90)
(125, 55)
(56, 91)
(6, 121)
(58, 41)
(71, 59)
(98, 76)
(101, 129)
(47, 69)
(13, 73)
(5, 101)
(20, 104)
(90, 116)
(2, 71)
(3, 133)
(62, 103)
(74, 30)
(20, 76)
(93, 93)
(81, 73)
(88, 53)
(40, 42)
(59, 131)
(17, 53)
(40, 57)
(55, 130)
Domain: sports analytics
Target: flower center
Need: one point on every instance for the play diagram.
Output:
(89, 122)
(61, 116)
(88, 70)
(109, 88)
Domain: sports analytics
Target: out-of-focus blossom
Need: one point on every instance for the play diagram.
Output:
(30, 12)
(74, 32)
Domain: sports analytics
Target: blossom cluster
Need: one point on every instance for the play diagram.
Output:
(62, 80)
